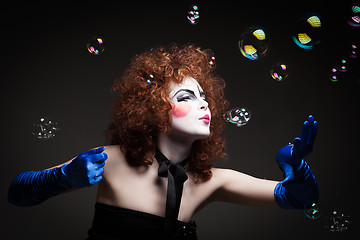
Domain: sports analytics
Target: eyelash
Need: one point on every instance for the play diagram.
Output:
(184, 98)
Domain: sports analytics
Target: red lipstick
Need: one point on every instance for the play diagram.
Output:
(206, 119)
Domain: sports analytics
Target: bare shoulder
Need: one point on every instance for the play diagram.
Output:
(114, 152)
(116, 158)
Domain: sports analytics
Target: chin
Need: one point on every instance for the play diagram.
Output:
(190, 135)
(202, 135)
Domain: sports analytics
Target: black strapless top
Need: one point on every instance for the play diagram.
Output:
(112, 223)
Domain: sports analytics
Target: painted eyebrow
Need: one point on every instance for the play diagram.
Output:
(202, 94)
(185, 90)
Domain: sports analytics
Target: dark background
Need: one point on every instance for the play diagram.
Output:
(46, 70)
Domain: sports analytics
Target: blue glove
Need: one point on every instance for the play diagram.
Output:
(86, 169)
(299, 188)
(33, 187)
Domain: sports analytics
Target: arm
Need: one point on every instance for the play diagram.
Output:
(298, 189)
(33, 187)
(240, 188)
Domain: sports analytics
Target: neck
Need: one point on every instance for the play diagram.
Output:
(175, 149)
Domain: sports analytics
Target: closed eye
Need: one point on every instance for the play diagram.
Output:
(184, 99)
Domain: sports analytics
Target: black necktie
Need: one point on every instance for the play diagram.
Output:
(176, 177)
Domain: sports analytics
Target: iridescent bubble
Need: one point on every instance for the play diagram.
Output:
(343, 66)
(193, 14)
(337, 221)
(254, 43)
(312, 211)
(150, 78)
(96, 45)
(308, 30)
(335, 74)
(237, 116)
(279, 71)
(45, 128)
(212, 62)
(354, 50)
(354, 16)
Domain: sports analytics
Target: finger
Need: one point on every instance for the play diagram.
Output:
(296, 150)
(99, 164)
(311, 129)
(289, 173)
(98, 179)
(99, 172)
(98, 158)
(95, 180)
(314, 132)
(96, 150)
(304, 134)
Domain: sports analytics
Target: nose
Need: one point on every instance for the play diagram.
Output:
(204, 105)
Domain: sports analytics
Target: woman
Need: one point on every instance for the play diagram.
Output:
(167, 128)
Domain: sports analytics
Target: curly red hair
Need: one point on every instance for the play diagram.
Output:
(142, 104)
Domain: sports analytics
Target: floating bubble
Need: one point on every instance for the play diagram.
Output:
(354, 16)
(337, 221)
(238, 116)
(279, 71)
(96, 45)
(335, 74)
(45, 128)
(150, 79)
(312, 211)
(193, 14)
(254, 43)
(307, 31)
(343, 65)
(354, 50)
(212, 62)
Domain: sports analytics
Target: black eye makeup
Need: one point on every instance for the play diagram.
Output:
(184, 95)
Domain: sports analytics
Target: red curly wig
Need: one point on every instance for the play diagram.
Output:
(142, 104)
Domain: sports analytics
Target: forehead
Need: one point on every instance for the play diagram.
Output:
(187, 83)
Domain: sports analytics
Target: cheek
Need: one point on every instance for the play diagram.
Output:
(180, 109)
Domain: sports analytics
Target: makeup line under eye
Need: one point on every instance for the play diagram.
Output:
(185, 98)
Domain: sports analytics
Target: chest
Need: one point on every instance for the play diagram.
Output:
(145, 191)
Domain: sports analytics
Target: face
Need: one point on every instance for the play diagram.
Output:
(190, 113)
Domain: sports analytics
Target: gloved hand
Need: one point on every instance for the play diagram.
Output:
(86, 169)
(291, 157)
(299, 188)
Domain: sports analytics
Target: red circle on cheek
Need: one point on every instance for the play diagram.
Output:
(181, 109)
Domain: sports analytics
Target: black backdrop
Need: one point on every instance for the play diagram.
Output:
(46, 70)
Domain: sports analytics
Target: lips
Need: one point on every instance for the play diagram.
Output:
(206, 119)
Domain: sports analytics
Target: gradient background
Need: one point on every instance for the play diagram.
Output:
(46, 70)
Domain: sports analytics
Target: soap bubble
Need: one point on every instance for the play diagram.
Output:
(212, 62)
(334, 75)
(96, 45)
(211, 58)
(193, 14)
(354, 50)
(343, 65)
(354, 16)
(237, 116)
(254, 43)
(312, 211)
(45, 128)
(307, 31)
(150, 78)
(279, 71)
(337, 221)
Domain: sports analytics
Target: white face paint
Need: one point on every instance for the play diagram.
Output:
(190, 113)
